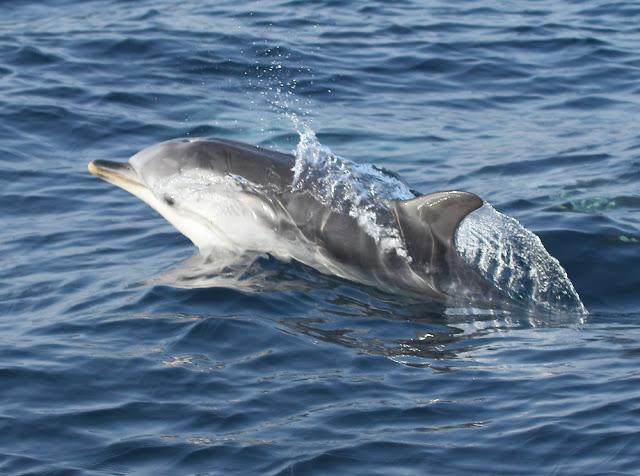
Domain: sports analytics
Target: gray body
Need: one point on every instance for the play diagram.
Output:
(339, 245)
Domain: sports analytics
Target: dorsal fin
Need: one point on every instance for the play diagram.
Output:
(428, 223)
(442, 211)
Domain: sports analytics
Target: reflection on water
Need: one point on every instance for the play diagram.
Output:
(419, 334)
(248, 272)
(408, 331)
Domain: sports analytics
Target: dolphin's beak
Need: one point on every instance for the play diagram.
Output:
(118, 173)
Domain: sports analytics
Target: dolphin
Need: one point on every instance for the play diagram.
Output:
(223, 194)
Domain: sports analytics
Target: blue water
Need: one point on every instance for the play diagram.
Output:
(534, 106)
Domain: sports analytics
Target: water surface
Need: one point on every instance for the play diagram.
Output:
(533, 106)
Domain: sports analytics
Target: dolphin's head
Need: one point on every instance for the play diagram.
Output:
(144, 176)
(188, 182)
(162, 161)
(151, 165)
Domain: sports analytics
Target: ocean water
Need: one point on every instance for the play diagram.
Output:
(105, 368)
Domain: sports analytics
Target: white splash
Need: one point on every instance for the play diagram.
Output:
(515, 261)
(361, 190)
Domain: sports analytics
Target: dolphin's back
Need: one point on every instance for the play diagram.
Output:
(338, 234)
(257, 165)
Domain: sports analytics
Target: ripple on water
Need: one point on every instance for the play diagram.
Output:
(104, 369)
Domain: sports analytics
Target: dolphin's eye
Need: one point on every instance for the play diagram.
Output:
(168, 200)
